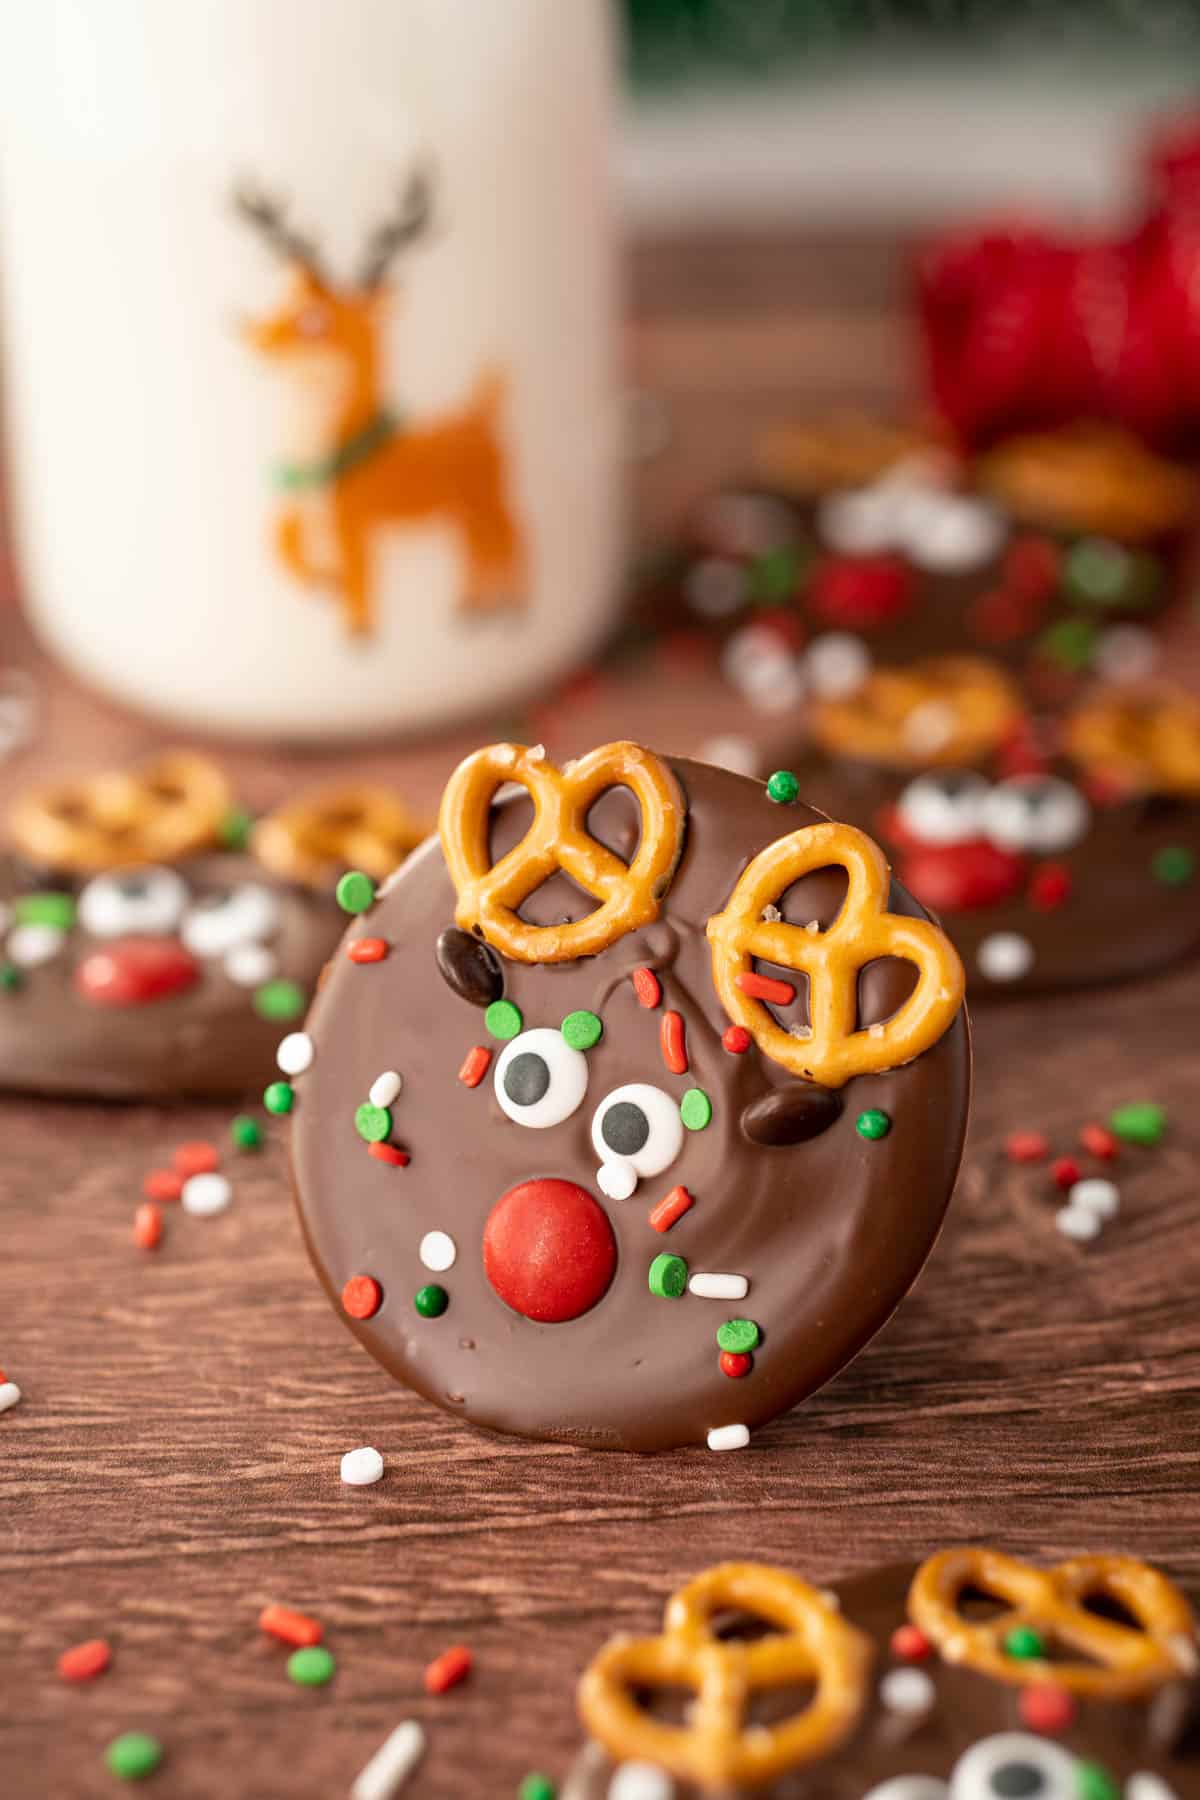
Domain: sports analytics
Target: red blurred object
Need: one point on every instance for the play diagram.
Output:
(861, 592)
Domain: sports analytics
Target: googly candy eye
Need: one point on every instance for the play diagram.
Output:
(220, 922)
(1015, 1766)
(944, 808)
(1035, 812)
(147, 901)
(637, 1131)
(540, 1080)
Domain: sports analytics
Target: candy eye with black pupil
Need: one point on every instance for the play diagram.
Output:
(540, 1080)
(638, 1128)
(1039, 813)
(943, 808)
(129, 902)
(1015, 1766)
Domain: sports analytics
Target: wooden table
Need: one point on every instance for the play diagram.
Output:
(174, 1462)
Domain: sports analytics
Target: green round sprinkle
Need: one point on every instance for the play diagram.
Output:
(782, 787)
(279, 1000)
(1025, 1644)
(695, 1109)
(1140, 1122)
(45, 909)
(581, 1030)
(536, 1786)
(133, 1755)
(372, 1122)
(432, 1301)
(355, 891)
(234, 829)
(312, 1666)
(503, 1019)
(873, 1123)
(1093, 1782)
(1070, 644)
(1097, 572)
(738, 1335)
(777, 574)
(246, 1132)
(11, 977)
(668, 1276)
(1174, 866)
(279, 1097)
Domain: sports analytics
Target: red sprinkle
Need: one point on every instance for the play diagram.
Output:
(448, 1669)
(737, 1040)
(476, 1064)
(1064, 1171)
(163, 1184)
(389, 1153)
(1049, 886)
(367, 950)
(148, 1225)
(1045, 1707)
(83, 1662)
(736, 1363)
(1031, 567)
(290, 1627)
(1097, 1140)
(674, 1043)
(196, 1158)
(671, 1209)
(910, 1644)
(647, 987)
(1027, 1147)
(362, 1296)
(765, 987)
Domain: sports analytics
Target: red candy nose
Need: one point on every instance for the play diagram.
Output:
(549, 1250)
(961, 877)
(136, 970)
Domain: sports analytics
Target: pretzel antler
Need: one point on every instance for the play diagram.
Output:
(268, 217)
(406, 224)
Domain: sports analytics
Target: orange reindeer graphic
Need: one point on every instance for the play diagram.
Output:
(375, 469)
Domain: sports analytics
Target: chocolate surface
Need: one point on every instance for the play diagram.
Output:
(828, 1233)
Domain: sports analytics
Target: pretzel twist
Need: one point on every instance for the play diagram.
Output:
(1090, 479)
(717, 1746)
(317, 836)
(489, 895)
(167, 807)
(1117, 1661)
(944, 710)
(1146, 742)
(833, 1049)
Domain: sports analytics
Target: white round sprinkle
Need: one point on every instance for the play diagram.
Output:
(616, 1179)
(907, 1691)
(392, 1764)
(438, 1250)
(204, 1195)
(249, 965)
(361, 1467)
(1078, 1223)
(735, 753)
(859, 522)
(640, 1781)
(1144, 1786)
(837, 663)
(10, 1393)
(295, 1053)
(1004, 956)
(35, 943)
(951, 533)
(1125, 653)
(909, 1787)
(385, 1088)
(715, 588)
(719, 1287)
(729, 1437)
(1096, 1195)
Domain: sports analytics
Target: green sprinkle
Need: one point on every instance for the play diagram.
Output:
(1097, 572)
(503, 1019)
(1140, 1122)
(1070, 644)
(738, 1335)
(235, 828)
(246, 1132)
(432, 1301)
(372, 1122)
(668, 1276)
(782, 787)
(776, 575)
(279, 1000)
(45, 909)
(695, 1109)
(1174, 866)
(133, 1755)
(11, 977)
(581, 1030)
(312, 1666)
(1093, 1782)
(536, 1786)
(1025, 1644)
(355, 891)
(873, 1123)
(280, 1097)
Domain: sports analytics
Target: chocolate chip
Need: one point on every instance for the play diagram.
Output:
(471, 969)
(791, 1114)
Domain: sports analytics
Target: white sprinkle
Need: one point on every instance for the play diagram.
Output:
(1004, 956)
(640, 1781)
(729, 1437)
(719, 1287)
(951, 533)
(10, 1393)
(205, 1195)
(860, 521)
(1079, 1223)
(909, 1787)
(249, 965)
(907, 1691)
(736, 754)
(1097, 1196)
(929, 727)
(361, 1467)
(438, 1250)
(1144, 1786)
(1125, 653)
(617, 1179)
(836, 664)
(385, 1088)
(715, 587)
(295, 1053)
(34, 943)
(392, 1764)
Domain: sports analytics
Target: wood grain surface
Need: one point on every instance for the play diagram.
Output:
(174, 1462)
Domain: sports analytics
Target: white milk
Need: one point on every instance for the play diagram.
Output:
(257, 496)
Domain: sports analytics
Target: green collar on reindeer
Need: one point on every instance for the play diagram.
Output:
(326, 469)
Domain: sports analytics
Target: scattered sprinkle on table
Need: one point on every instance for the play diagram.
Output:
(536, 1786)
(163, 1184)
(1096, 1195)
(295, 1628)
(197, 1157)
(362, 1467)
(1065, 1172)
(355, 891)
(729, 1437)
(133, 1755)
(245, 1132)
(1139, 1122)
(392, 1764)
(447, 1670)
(1078, 1223)
(311, 1666)
(148, 1225)
(1027, 1146)
(206, 1195)
(10, 1393)
(83, 1662)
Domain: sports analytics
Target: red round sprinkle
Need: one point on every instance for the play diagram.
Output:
(475, 1066)
(1050, 886)
(148, 1225)
(962, 877)
(367, 950)
(1027, 1147)
(672, 1208)
(290, 1627)
(1045, 1707)
(1064, 1171)
(448, 1669)
(765, 987)
(136, 971)
(83, 1662)
(163, 1184)
(737, 1040)
(196, 1158)
(1031, 567)
(362, 1296)
(548, 1249)
(910, 1644)
(735, 1363)
(389, 1153)
(860, 591)
(1097, 1140)
(674, 1043)
(647, 987)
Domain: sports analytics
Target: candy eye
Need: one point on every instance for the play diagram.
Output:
(220, 922)
(540, 1080)
(1015, 1766)
(946, 808)
(1035, 812)
(638, 1127)
(129, 901)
